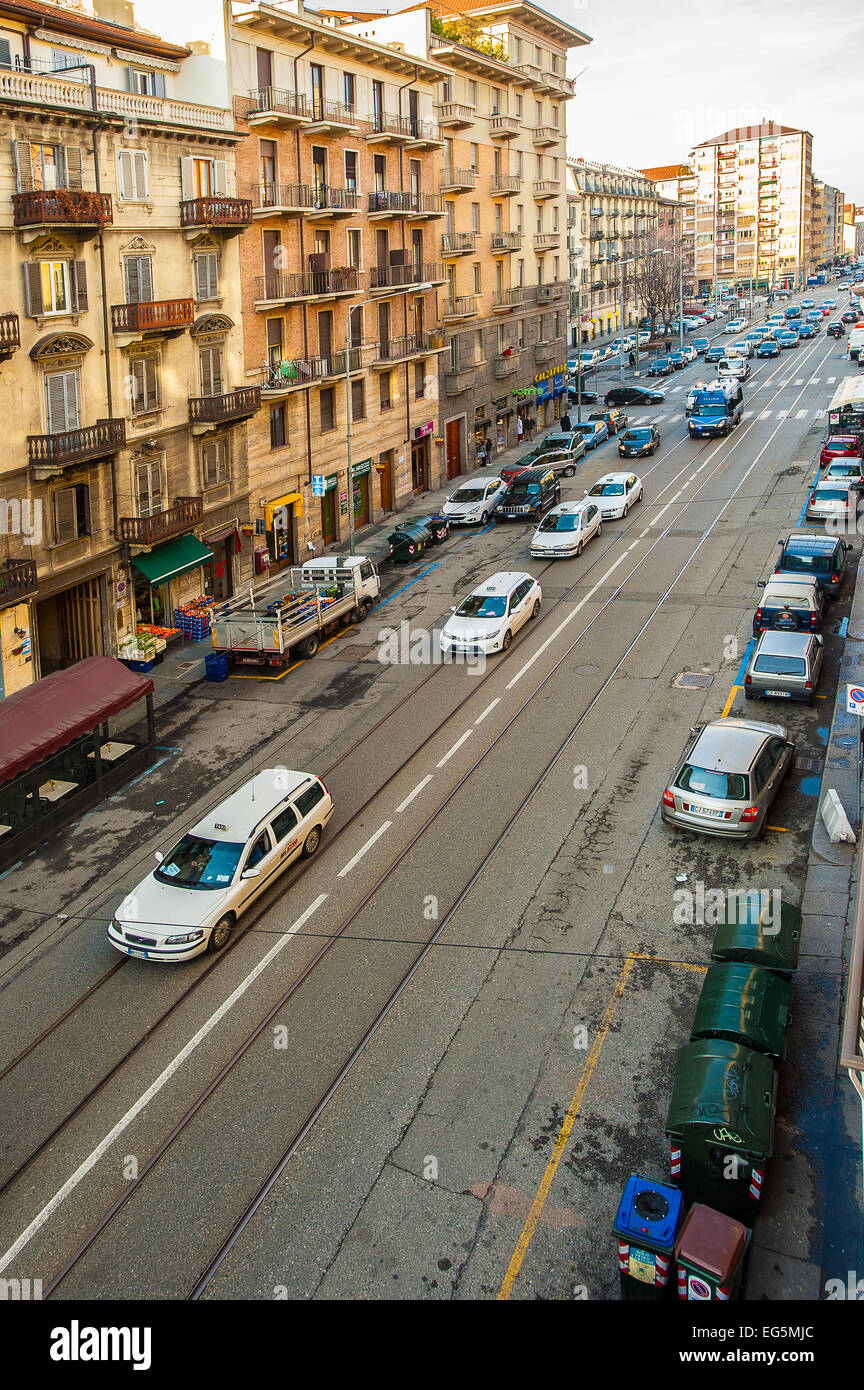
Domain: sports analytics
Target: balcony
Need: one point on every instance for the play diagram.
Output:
(457, 382)
(546, 293)
(503, 127)
(506, 185)
(228, 215)
(10, 335)
(332, 202)
(277, 106)
(544, 240)
(50, 452)
(546, 188)
(455, 115)
(386, 129)
(458, 180)
(425, 135)
(18, 580)
(556, 83)
(331, 118)
(283, 199)
(506, 241)
(543, 352)
(505, 364)
(185, 513)
(458, 243)
(228, 408)
(508, 299)
(73, 209)
(283, 288)
(596, 212)
(154, 316)
(412, 206)
(460, 306)
(403, 349)
(546, 135)
(394, 278)
(52, 89)
(530, 70)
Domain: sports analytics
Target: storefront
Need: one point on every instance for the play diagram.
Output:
(551, 391)
(328, 509)
(280, 518)
(504, 422)
(360, 474)
(482, 442)
(71, 624)
(420, 455)
(168, 576)
(219, 572)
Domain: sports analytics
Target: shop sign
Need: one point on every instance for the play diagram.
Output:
(331, 482)
(318, 484)
(359, 469)
(553, 371)
(420, 431)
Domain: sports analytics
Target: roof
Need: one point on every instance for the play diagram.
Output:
(35, 12)
(765, 130)
(502, 582)
(818, 545)
(731, 744)
(45, 717)
(236, 817)
(459, 7)
(663, 172)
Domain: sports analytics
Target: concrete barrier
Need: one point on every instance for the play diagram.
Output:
(835, 818)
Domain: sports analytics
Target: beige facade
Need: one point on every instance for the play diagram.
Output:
(613, 212)
(827, 216)
(123, 386)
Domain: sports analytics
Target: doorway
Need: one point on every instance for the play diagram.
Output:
(385, 466)
(420, 464)
(328, 513)
(453, 447)
(70, 626)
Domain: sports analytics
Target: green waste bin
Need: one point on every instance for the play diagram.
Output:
(646, 1224)
(720, 1124)
(408, 542)
(746, 934)
(744, 1004)
(710, 1253)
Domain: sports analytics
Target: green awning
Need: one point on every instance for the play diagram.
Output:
(173, 558)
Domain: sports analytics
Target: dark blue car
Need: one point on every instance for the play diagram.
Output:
(806, 330)
(768, 349)
(714, 354)
(661, 366)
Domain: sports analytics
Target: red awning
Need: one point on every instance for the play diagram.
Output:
(38, 721)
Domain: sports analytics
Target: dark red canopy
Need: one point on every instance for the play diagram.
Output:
(38, 721)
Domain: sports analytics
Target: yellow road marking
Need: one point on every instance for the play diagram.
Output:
(242, 676)
(730, 701)
(784, 828)
(570, 1118)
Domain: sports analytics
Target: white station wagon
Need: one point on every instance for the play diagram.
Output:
(192, 899)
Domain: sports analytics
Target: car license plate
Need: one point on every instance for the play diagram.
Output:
(781, 694)
(705, 811)
(142, 955)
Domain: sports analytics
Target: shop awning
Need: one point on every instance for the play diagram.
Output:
(43, 718)
(224, 534)
(294, 499)
(173, 558)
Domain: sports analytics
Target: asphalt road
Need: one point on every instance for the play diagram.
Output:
(560, 988)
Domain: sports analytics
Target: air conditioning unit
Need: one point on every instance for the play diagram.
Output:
(319, 261)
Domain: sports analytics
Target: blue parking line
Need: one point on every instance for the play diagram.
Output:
(844, 627)
(739, 679)
(397, 592)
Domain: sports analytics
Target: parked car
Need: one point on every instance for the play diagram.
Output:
(785, 666)
(729, 777)
(835, 501)
(473, 502)
(638, 443)
(849, 470)
(634, 395)
(823, 558)
(701, 344)
(488, 618)
(768, 348)
(661, 366)
(563, 462)
(594, 432)
(614, 420)
(616, 494)
(678, 360)
(790, 603)
(531, 493)
(566, 529)
(191, 901)
(840, 446)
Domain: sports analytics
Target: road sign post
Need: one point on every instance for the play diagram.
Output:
(855, 705)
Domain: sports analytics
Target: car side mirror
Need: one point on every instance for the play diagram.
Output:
(760, 584)
(847, 545)
(250, 873)
(453, 609)
(820, 641)
(159, 856)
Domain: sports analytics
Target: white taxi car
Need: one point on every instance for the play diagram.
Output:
(193, 898)
(616, 494)
(474, 501)
(566, 529)
(487, 619)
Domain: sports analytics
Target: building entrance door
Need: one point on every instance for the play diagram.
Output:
(453, 447)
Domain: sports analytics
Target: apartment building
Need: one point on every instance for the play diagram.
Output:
(677, 183)
(340, 274)
(502, 105)
(753, 207)
(827, 216)
(122, 382)
(617, 214)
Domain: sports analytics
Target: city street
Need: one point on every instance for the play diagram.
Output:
(453, 1031)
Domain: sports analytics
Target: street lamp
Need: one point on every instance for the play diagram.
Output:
(624, 264)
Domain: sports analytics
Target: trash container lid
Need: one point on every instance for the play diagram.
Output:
(650, 1210)
(409, 531)
(749, 934)
(714, 1242)
(746, 1004)
(723, 1094)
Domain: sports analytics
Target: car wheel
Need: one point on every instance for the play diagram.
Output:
(625, 510)
(484, 520)
(220, 933)
(599, 528)
(578, 550)
(309, 647)
(536, 609)
(569, 471)
(749, 694)
(639, 498)
(506, 640)
(311, 843)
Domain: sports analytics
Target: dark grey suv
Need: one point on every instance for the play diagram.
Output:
(822, 558)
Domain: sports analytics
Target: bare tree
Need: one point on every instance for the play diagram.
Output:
(656, 280)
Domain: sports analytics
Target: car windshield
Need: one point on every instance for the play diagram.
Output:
(520, 488)
(482, 606)
(587, 428)
(782, 599)
(610, 489)
(725, 786)
(709, 409)
(560, 521)
(198, 863)
(468, 494)
(635, 436)
(780, 665)
(801, 563)
(844, 470)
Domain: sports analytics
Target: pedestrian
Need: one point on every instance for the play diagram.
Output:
(564, 423)
(520, 428)
(632, 359)
(668, 346)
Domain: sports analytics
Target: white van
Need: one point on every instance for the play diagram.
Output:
(733, 366)
(856, 341)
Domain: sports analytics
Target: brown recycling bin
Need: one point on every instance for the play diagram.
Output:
(710, 1252)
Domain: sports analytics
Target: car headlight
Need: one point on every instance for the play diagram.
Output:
(184, 940)
(490, 635)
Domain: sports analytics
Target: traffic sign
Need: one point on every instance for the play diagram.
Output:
(855, 699)
(318, 484)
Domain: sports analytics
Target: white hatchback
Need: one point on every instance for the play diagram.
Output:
(473, 502)
(488, 618)
(191, 901)
(615, 494)
(566, 529)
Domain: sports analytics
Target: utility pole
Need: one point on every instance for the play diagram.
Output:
(348, 422)
(680, 301)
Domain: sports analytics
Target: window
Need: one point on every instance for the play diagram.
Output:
(475, 158)
(274, 344)
(316, 78)
(138, 279)
(201, 177)
(476, 277)
(519, 107)
(358, 401)
(475, 217)
(267, 152)
(419, 381)
(284, 823)
(520, 333)
(259, 850)
(351, 169)
(497, 220)
(145, 83)
(495, 97)
(519, 163)
(148, 486)
(478, 344)
(349, 90)
(556, 115)
(520, 213)
(353, 245)
(46, 166)
(61, 402)
(327, 407)
(210, 362)
(71, 513)
(59, 59)
(379, 164)
(132, 175)
(206, 275)
(309, 798)
(384, 399)
(538, 113)
(472, 93)
(214, 462)
(278, 430)
(144, 385)
(55, 287)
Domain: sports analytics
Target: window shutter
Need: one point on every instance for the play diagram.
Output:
(211, 371)
(86, 526)
(139, 173)
(145, 278)
(158, 84)
(220, 178)
(206, 275)
(133, 280)
(79, 285)
(151, 384)
(61, 390)
(64, 515)
(187, 176)
(33, 288)
(5, 53)
(74, 173)
(130, 79)
(124, 176)
(23, 163)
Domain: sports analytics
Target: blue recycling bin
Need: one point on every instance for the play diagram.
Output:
(646, 1225)
(216, 666)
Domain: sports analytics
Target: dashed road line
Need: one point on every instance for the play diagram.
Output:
(416, 792)
(488, 710)
(457, 745)
(368, 845)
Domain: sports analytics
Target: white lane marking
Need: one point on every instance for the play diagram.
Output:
(820, 413)
(799, 381)
(747, 415)
(644, 533)
(633, 546)
(570, 616)
(675, 498)
(660, 513)
(488, 709)
(456, 746)
(368, 845)
(673, 390)
(801, 414)
(164, 1076)
(658, 418)
(815, 380)
(781, 414)
(765, 415)
(416, 792)
(830, 380)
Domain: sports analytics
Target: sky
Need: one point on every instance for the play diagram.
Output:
(661, 75)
